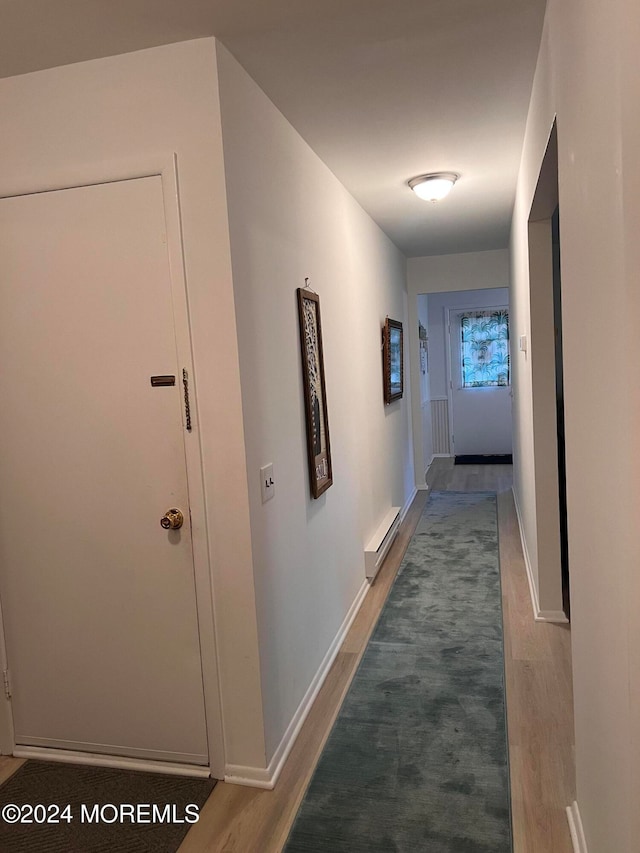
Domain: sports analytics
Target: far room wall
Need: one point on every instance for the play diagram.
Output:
(438, 274)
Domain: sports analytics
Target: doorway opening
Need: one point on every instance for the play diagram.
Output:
(547, 387)
(465, 384)
(480, 382)
(562, 467)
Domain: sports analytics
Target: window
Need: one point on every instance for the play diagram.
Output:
(485, 348)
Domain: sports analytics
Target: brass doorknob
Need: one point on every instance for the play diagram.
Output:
(172, 519)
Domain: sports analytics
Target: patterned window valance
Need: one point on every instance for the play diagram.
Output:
(485, 348)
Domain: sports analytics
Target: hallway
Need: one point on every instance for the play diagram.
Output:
(539, 704)
(285, 144)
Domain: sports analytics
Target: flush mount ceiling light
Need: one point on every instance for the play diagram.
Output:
(435, 186)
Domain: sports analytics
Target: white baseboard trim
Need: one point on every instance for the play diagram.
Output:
(576, 829)
(251, 777)
(410, 500)
(442, 456)
(257, 777)
(67, 756)
(539, 615)
(557, 616)
(527, 561)
(427, 472)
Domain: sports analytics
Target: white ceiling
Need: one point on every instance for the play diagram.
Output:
(381, 90)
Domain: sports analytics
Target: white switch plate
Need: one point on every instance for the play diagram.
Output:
(267, 482)
(523, 343)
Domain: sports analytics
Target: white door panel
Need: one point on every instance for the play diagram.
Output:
(481, 417)
(99, 600)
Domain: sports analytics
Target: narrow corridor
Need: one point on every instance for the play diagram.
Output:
(539, 704)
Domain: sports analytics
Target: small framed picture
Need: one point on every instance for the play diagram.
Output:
(315, 397)
(392, 361)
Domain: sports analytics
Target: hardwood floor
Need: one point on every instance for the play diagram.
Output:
(539, 705)
(8, 766)
(538, 680)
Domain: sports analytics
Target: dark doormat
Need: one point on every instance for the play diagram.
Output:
(97, 809)
(485, 459)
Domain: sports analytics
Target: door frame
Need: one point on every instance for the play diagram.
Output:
(546, 584)
(448, 312)
(165, 166)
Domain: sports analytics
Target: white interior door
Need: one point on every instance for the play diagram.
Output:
(98, 599)
(480, 416)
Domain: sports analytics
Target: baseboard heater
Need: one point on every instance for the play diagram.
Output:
(381, 541)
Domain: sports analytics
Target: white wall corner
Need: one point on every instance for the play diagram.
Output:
(576, 829)
(527, 560)
(409, 501)
(260, 777)
(251, 777)
(557, 616)
(539, 615)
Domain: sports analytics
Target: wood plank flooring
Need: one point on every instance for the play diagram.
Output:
(538, 679)
(539, 705)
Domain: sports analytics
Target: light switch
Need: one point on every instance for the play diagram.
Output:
(267, 482)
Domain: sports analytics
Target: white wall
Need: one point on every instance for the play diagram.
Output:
(435, 274)
(290, 218)
(587, 76)
(63, 124)
(468, 271)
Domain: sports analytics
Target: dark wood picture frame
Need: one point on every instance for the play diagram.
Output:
(392, 360)
(315, 395)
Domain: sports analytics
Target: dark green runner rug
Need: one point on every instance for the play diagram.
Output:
(83, 809)
(417, 759)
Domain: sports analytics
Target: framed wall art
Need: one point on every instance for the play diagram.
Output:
(392, 361)
(315, 397)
